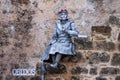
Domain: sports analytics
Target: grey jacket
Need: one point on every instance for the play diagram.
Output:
(61, 41)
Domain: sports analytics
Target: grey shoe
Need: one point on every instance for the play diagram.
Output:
(54, 65)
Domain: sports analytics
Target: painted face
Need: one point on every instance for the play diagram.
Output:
(63, 16)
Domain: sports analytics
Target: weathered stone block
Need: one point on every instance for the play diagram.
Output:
(36, 78)
(79, 70)
(119, 47)
(50, 79)
(88, 45)
(109, 71)
(74, 78)
(3, 68)
(116, 60)
(83, 44)
(101, 45)
(110, 46)
(4, 43)
(119, 37)
(104, 57)
(24, 65)
(38, 67)
(114, 20)
(75, 58)
(99, 57)
(35, 3)
(100, 78)
(18, 45)
(20, 2)
(1, 77)
(20, 78)
(100, 2)
(58, 79)
(104, 30)
(23, 55)
(107, 46)
(117, 78)
(2, 55)
(93, 71)
(9, 77)
(22, 58)
(14, 66)
(59, 70)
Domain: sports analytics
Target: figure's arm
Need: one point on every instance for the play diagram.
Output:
(54, 37)
(73, 31)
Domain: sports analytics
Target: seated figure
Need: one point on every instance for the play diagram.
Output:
(61, 43)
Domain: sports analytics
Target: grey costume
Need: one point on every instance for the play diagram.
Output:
(61, 41)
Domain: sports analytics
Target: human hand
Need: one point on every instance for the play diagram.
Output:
(65, 31)
(50, 44)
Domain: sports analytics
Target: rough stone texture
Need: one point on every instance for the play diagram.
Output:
(117, 78)
(79, 70)
(83, 44)
(105, 30)
(101, 45)
(115, 59)
(36, 78)
(110, 46)
(100, 78)
(38, 67)
(93, 71)
(26, 27)
(78, 57)
(20, 2)
(1, 77)
(74, 78)
(107, 46)
(119, 37)
(99, 57)
(59, 70)
(114, 20)
(2, 55)
(119, 47)
(109, 71)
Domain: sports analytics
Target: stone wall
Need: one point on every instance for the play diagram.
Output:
(26, 27)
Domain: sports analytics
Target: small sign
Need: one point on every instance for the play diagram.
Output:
(23, 72)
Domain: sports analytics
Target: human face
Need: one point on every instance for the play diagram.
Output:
(63, 16)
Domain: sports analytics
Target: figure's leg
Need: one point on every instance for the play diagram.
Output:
(53, 58)
(57, 60)
(58, 57)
